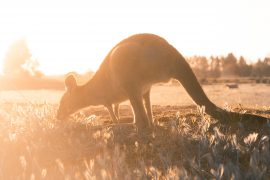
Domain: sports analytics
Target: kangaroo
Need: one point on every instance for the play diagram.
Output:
(232, 86)
(128, 73)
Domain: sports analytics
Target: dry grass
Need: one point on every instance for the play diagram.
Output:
(184, 144)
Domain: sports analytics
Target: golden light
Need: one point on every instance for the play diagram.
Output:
(76, 36)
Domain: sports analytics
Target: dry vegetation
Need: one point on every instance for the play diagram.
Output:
(185, 143)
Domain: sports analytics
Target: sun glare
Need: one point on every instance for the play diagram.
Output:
(76, 36)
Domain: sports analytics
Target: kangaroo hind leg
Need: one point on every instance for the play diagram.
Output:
(148, 107)
(140, 115)
(116, 110)
(112, 113)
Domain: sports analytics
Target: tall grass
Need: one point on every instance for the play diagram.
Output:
(183, 145)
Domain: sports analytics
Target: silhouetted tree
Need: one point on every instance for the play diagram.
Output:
(16, 57)
(214, 67)
(266, 69)
(257, 69)
(199, 65)
(244, 70)
(19, 62)
(229, 65)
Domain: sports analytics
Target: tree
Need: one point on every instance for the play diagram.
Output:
(229, 65)
(214, 67)
(19, 62)
(257, 69)
(199, 65)
(266, 69)
(244, 69)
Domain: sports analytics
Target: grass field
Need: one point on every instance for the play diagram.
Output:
(184, 144)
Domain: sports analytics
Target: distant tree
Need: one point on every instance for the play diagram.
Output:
(244, 70)
(19, 62)
(16, 57)
(257, 69)
(261, 68)
(214, 67)
(266, 67)
(199, 65)
(267, 61)
(202, 65)
(229, 65)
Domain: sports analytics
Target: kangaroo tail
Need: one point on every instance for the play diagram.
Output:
(185, 75)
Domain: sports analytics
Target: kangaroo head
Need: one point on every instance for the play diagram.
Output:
(70, 100)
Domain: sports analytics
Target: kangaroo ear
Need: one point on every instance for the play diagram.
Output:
(70, 82)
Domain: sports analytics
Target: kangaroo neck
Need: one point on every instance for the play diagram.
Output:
(95, 90)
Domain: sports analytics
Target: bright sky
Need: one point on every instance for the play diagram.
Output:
(76, 35)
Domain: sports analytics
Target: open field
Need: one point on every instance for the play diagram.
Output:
(247, 94)
(184, 144)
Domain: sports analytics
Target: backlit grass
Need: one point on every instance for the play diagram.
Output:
(185, 143)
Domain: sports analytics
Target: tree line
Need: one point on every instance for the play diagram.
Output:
(19, 62)
(229, 66)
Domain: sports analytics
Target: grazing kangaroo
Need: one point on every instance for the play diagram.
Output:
(129, 71)
(232, 86)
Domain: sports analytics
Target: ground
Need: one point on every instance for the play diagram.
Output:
(185, 142)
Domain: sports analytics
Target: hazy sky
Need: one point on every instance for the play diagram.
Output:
(76, 35)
